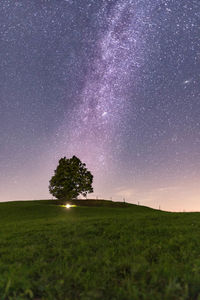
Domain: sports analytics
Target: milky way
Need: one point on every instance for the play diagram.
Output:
(116, 83)
(100, 121)
(104, 100)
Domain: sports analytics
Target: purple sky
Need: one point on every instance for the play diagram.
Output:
(116, 83)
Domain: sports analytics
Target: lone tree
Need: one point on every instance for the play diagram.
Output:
(71, 179)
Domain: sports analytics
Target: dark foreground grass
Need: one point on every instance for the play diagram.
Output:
(49, 252)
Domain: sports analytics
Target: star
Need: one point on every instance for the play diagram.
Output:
(187, 81)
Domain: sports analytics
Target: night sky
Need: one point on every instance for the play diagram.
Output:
(115, 82)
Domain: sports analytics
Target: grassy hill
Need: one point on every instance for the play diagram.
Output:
(109, 251)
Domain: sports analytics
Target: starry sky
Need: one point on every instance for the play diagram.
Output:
(115, 82)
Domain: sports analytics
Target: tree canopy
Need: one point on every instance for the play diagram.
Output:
(71, 179)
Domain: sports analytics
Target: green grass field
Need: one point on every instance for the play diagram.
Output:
(106, 252)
